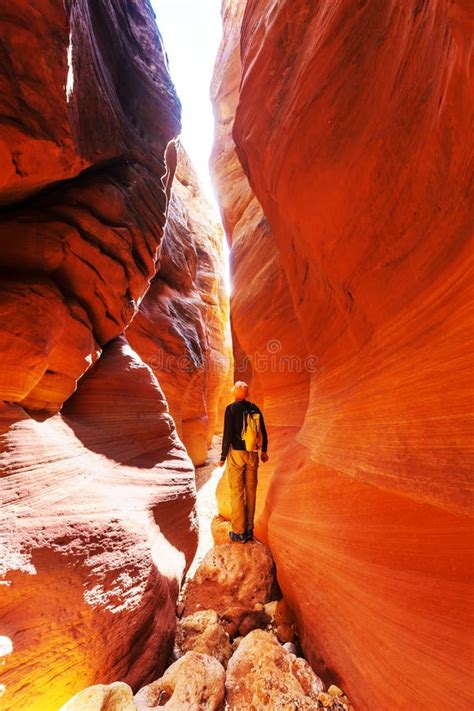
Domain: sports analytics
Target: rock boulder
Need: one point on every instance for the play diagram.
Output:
(196, 681)
(202, 632)
(97, 524)
(112, 697)
(262, 674)
(232, 577)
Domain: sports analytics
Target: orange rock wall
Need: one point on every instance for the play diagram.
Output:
(98, 492)
(182, 327)
(351, 124)
(98, 505)
(84, 185)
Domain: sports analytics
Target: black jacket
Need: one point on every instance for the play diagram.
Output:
(233, 424)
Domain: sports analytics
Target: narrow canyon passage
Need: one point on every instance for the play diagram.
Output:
(342, 168)
(237, 643)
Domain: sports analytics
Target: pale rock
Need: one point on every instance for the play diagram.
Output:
(326, 699)
(235, 643)
(202, 632)
(262, 674)
(220, 529)
(270, 608)
(233, 577)
(310, 682)
(102, 697)
(196, 681)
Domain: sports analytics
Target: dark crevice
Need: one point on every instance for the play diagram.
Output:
(87, 175)
(15, 165)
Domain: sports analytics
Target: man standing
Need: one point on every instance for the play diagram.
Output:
(242, 468)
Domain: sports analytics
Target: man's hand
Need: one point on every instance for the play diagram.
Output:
(221, 462)
(264, 457)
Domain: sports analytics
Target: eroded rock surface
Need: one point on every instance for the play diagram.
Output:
(351, 129)
(196, 681)
(261, 674)
(98, 498)
(112, 697)
(97, 522)
(79, 255)
(231, 577)
(220, 529)
(182, 327)
(203, 632)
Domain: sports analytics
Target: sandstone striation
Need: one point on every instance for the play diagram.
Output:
(182, 327)
(350, 124)
(86, 160)
(98, 492)
(96, 528)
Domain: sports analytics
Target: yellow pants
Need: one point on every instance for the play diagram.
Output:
(242, 472)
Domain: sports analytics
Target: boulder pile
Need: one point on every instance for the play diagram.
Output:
(236, 647)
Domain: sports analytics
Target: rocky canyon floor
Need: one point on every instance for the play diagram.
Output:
(236, 644)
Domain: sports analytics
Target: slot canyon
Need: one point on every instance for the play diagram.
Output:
(342, 165)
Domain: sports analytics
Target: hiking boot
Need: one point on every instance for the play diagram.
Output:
(249, 534)
(237, 537)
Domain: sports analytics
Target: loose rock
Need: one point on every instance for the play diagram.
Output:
(235, 643)
(102, 697)
(202, 632)
(270, 608)
(262, 674)
(196, 681)
(220, 529)
(231, 576)
(241, 622)
(283, 613)
(253, 620)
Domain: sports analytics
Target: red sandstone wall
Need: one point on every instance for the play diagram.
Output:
(98, 492)
(351, 124)
(97, 507)
(182, 327)
(78, 255)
